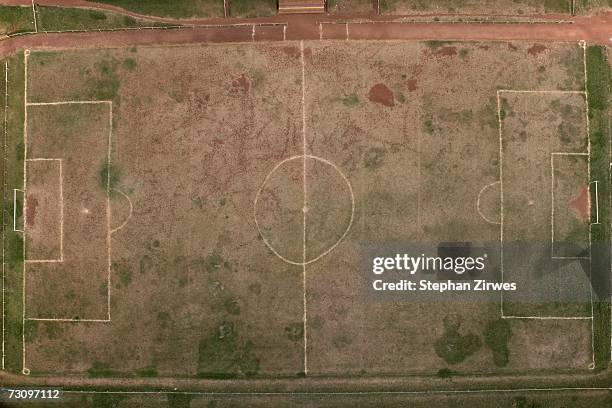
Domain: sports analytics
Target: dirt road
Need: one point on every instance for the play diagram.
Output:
(593, 29)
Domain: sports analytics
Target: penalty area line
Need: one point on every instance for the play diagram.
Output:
(44, 319)
(549, 317)
(583, 45)
(304, 208)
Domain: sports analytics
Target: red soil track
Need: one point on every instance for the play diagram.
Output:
(593, 29)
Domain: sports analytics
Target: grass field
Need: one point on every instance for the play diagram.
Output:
(351, 6)
(476, 6)
(17, 20)
(172, 8)
(218, 198)
(14, 19)
(62, 19)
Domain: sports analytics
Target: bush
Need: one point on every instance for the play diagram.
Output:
(453, 348)
(445, 373)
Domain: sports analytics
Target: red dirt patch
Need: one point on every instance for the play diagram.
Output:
(412, 84)
(483, 47)
(580, 204)
(446, 52)
(380, 93)
(31, 205)
(536, 49)
(241, 83)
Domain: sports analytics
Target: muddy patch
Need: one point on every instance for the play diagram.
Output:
(31, 206)
(241, 83)
(536, 49)
(412, 85)
(380, 93)
(580, 204)
(446, 52)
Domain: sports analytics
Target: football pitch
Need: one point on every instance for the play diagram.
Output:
(201, 211)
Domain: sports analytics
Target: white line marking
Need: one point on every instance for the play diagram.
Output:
(176, 27)
(427, 20)
(552, 203)
(501, 205)
(68, 103)
(478, 203)
(424, 392)
(304, 208)
(349, 225)
(591, 366)
(3, 201)
(61, 193)
(596, 202)
(26, 53)
(15, 190)
(108, 209)
(347, 31)
(129, 215)
(569, 153)
(545, 91)
(40, 319)
(609, 203)
(320, 31)
(253, 33)
(34, 16)
(588, 129)
(549, 317)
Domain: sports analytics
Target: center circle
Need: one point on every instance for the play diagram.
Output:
(304, 209)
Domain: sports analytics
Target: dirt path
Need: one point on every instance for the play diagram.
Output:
(594, 29)
(315, 384)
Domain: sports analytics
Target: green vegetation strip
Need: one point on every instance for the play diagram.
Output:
(460, 6)
(171, 8)
(15, 19)
(598, 89)
(63, 19)
(252, 8)
(12, 174)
